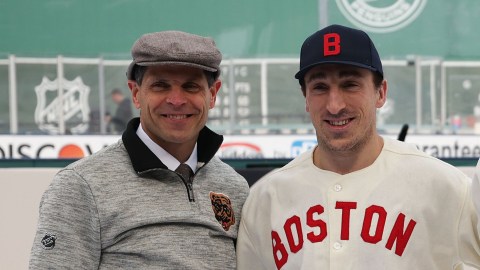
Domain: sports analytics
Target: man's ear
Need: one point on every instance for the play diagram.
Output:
(382, 94)
(213, 92)
(134, 89)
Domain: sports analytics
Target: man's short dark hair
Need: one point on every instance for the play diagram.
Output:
(377, 81)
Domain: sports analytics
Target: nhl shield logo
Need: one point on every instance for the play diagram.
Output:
(222, 207)
(69, 106)
(48, 241)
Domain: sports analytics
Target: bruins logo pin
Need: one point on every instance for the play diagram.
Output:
(222, 208)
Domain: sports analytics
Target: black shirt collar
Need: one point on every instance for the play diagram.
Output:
(143, 159)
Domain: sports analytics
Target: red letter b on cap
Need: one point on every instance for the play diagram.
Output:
(331, 44)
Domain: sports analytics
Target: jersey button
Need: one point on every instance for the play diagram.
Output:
(337, 187)
(337, 245)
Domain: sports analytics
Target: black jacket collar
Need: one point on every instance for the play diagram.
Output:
(143, 159)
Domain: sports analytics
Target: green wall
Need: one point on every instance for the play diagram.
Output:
(242, 28)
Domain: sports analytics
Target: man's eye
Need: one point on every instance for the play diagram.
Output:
(160, 85)
(319, 87)
(191, 87)
(350, 85)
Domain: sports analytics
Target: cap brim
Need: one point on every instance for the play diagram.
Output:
(188, 64)
(299, 75)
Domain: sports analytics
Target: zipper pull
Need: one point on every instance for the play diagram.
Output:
(186, 174)
(191, 197)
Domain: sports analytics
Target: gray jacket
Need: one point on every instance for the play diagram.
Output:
(121, 208)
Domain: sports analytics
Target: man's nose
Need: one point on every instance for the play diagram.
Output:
(176, 96)
(336, 101)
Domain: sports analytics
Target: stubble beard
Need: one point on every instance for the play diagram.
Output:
(352, 143)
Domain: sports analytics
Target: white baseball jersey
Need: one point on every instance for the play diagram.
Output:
(407, 210)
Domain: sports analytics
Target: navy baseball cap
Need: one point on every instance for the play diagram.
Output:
(336, 44)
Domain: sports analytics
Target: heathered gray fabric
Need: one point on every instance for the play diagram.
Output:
(175, 48)
(105, 216)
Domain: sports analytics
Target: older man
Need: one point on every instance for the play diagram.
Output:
(159, 198)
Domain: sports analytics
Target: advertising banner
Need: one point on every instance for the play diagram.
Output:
(233, 147)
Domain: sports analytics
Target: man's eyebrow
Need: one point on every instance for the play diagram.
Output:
(316, 75)
(342, 74)
(162, 78)
(349, 73)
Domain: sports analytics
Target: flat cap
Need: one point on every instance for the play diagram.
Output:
(175, 48)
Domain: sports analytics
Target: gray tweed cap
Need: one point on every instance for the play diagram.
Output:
(175, 48)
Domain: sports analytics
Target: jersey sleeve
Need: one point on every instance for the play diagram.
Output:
(476, 190)
(469, 227)
(253, 241)
(247, 256)
(68, 230)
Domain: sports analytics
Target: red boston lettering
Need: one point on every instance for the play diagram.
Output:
(311, 222)
(315, 229)
(295, 220)
(400, 236)
(279, 252)
(367, 223)
(346, 207)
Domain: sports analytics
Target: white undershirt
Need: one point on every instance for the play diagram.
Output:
(167, 159)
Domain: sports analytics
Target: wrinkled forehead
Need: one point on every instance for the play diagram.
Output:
(163, 71)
